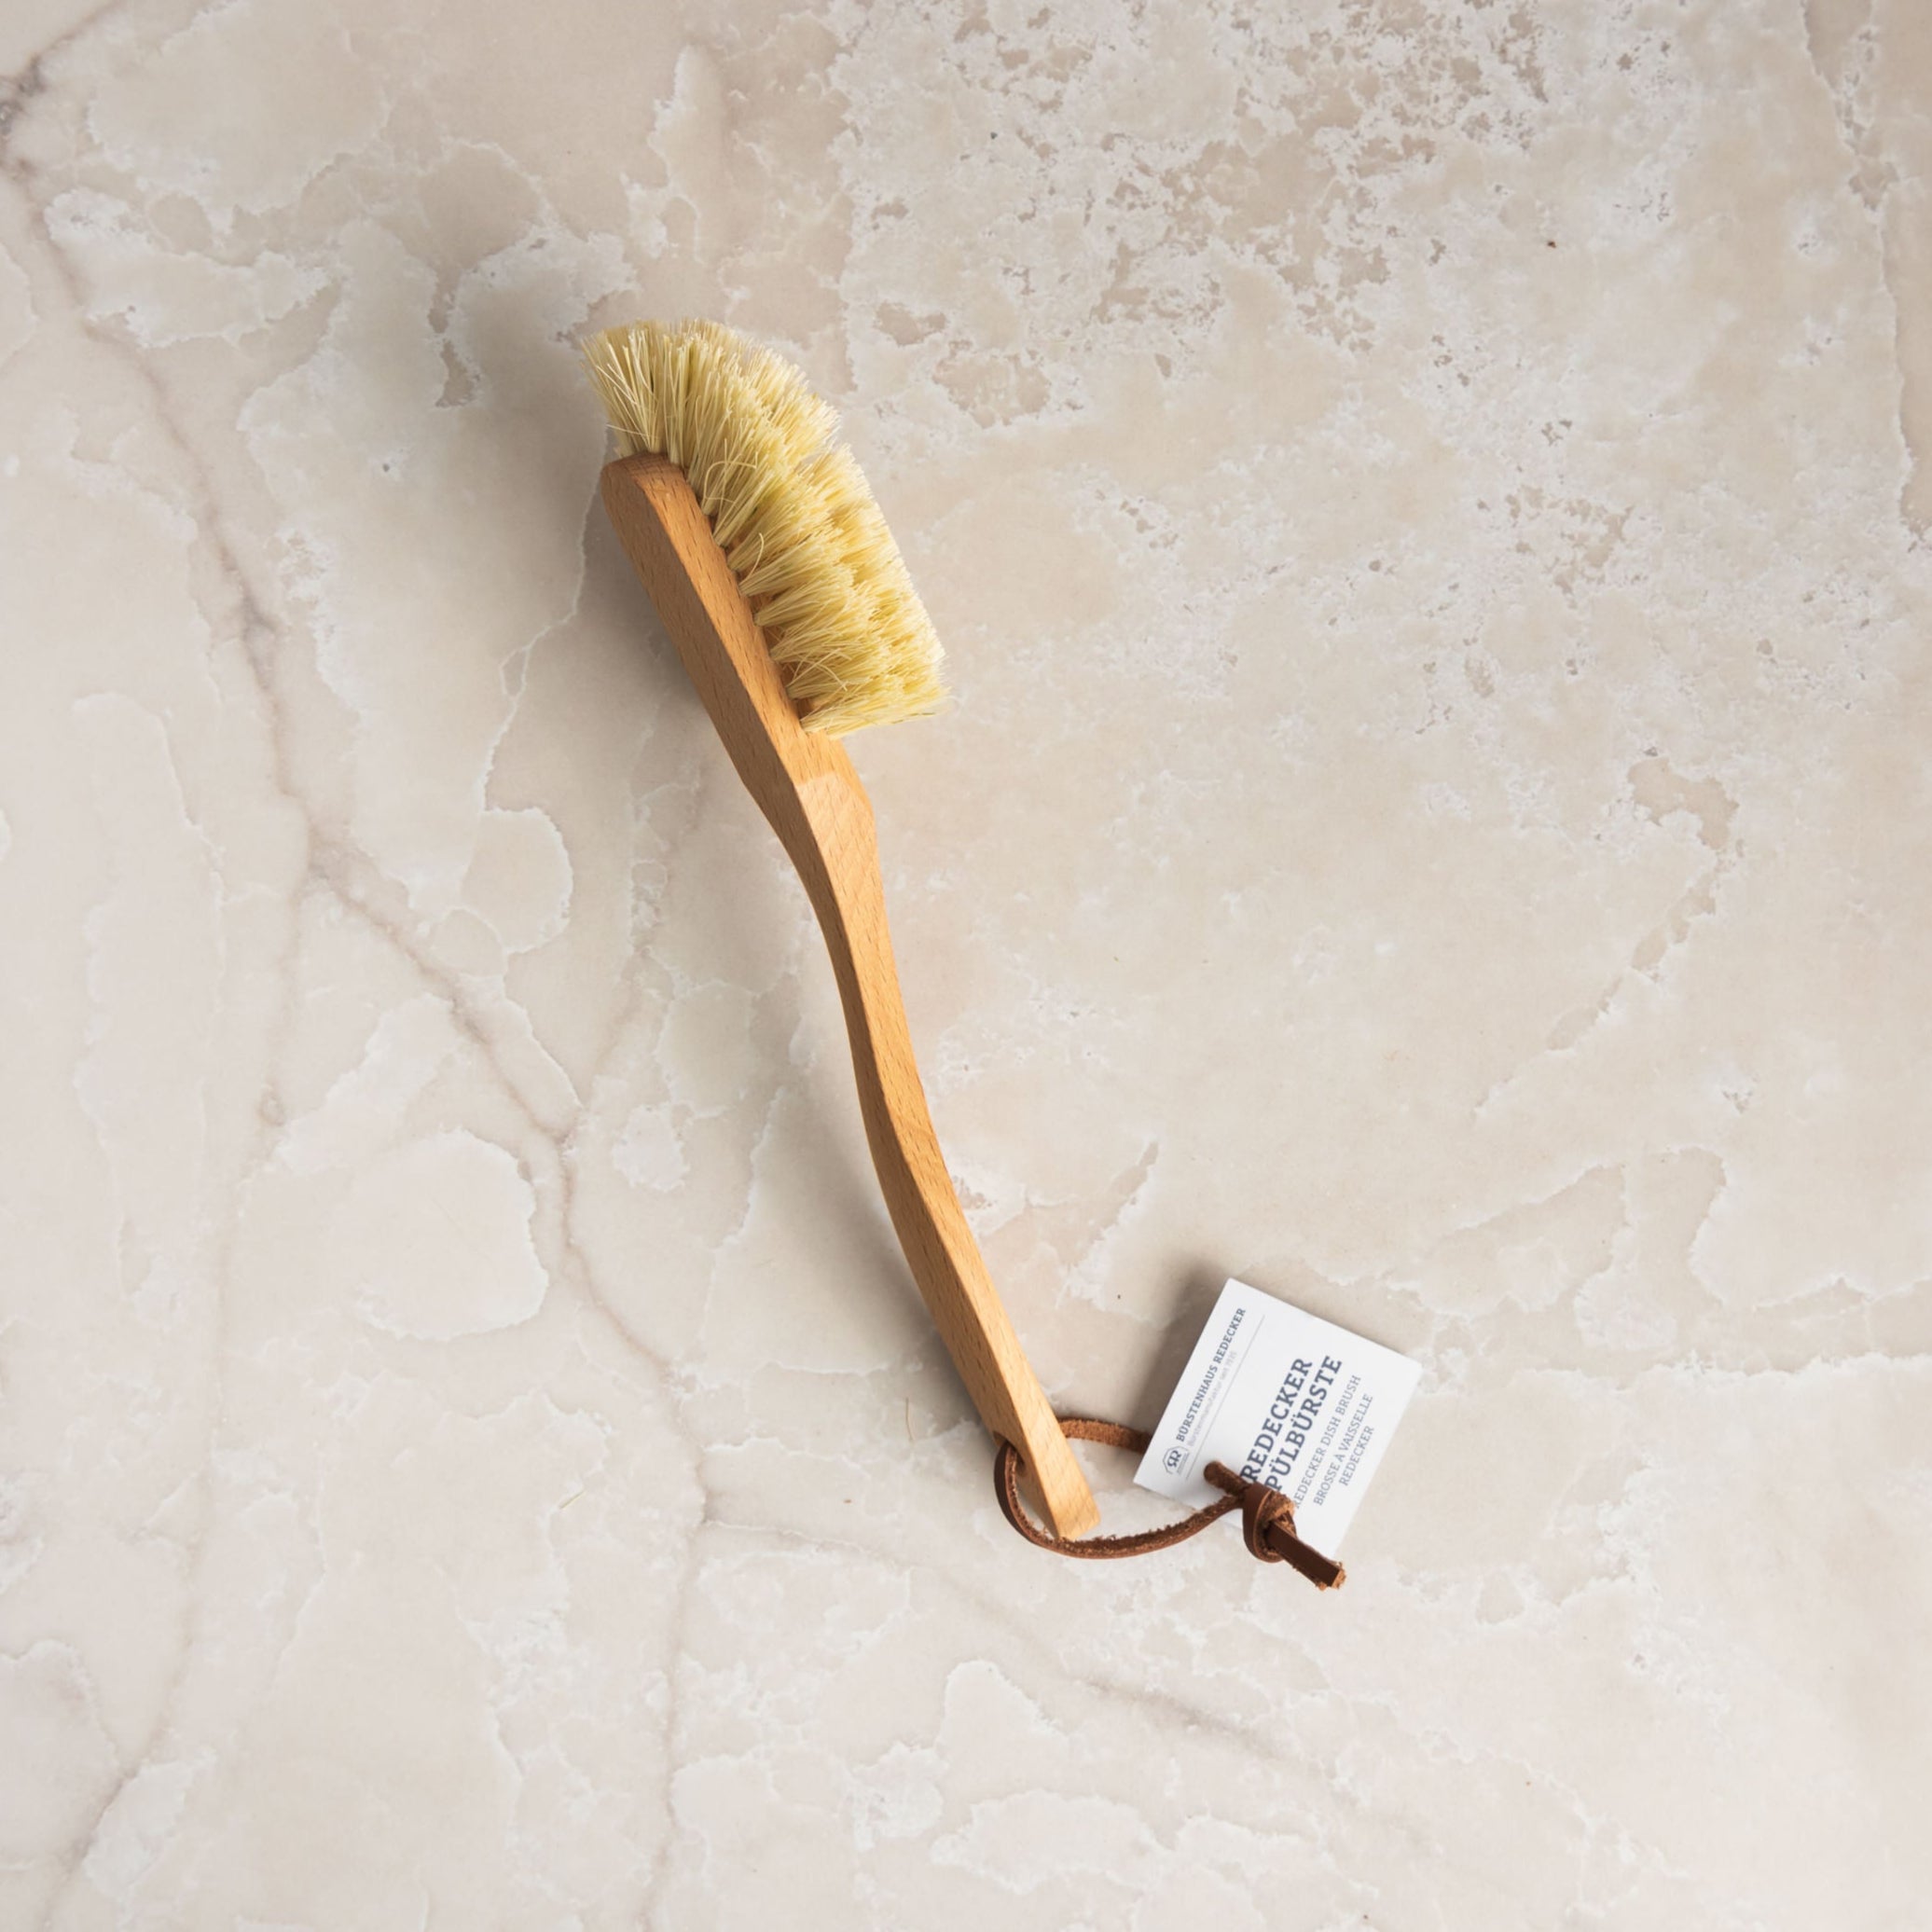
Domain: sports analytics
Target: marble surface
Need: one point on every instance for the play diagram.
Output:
(1427, 507)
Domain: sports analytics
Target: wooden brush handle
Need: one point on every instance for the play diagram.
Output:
(806, 786)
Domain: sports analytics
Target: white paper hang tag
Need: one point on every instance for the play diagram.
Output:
(1284, 1398)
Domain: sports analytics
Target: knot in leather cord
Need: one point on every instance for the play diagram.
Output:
(1268, 1528)
(1267, 1516)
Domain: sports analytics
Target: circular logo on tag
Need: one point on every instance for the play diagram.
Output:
(1172, 1459)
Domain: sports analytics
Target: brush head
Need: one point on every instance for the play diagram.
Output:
(790, 510)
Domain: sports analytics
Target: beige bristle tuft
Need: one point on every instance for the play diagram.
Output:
(789, 507)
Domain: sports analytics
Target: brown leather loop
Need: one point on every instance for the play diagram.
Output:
(1267, 1517)
(1116, 1435)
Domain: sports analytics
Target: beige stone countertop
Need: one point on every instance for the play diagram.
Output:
(1428, 511)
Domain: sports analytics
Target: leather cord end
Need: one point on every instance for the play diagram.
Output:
(1268, 1525)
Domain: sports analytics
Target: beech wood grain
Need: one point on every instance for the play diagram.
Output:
(805, 784)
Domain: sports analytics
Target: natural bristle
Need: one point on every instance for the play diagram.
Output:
(790, 509)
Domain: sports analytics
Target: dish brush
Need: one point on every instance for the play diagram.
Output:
(773, 571)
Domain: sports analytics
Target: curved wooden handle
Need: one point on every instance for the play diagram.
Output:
(806, 786)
